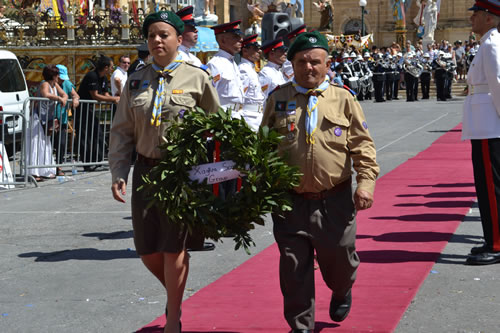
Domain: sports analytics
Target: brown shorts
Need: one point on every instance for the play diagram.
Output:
(153, 232)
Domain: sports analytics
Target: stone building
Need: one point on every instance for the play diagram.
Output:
(453, 22)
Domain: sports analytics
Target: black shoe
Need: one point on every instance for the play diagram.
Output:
(480, 249)
(339, 309)
(484, 258)
(207, 246)
(301, 331)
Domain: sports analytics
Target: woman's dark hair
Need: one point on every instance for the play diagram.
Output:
(49, 72)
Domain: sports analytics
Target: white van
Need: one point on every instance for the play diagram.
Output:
(13, 93)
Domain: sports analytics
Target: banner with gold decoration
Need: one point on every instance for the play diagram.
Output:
(339, 41)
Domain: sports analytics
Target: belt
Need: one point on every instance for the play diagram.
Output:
(325, 194)
(478, 89)
(252, 108)
(236, 107)
(151, 162)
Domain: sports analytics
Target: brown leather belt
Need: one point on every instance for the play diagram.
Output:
(326, 193)
(147, 161)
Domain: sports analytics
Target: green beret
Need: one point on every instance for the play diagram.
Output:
(306, 41)
(163, 16)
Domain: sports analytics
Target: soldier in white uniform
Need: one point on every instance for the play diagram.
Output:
(481, 125)
(227, 81)
(226, 76)
(189, 36)
(287, 68)
(254, 97)
(271, 75)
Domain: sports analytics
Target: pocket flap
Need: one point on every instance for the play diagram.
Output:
(183, 100)
(342, 121)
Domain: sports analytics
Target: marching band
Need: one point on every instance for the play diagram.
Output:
(384, 74)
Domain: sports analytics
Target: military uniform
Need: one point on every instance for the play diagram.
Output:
(139, 63)
(189, 57)
(481, 125)
(186, 87)
(439, 67)
(379, 79)
(287, 68)
(322, 219)
(186, 15)
(254, 97)
(271, 75)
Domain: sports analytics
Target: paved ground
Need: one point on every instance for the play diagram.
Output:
(68, 264)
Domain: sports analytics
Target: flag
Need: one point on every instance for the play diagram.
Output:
(438, 5)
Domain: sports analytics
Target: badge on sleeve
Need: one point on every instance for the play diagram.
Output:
(280, 106)
(145, 84)
(291, 127)
(177, 91)
(365, 125)
(134, 84)
(264, 87)
(216, 78)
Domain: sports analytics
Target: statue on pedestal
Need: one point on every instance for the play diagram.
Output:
(204, 12)
(326, 9)
(426, 19)
(430, 19)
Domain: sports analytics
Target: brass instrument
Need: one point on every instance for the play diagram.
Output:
(414, 68)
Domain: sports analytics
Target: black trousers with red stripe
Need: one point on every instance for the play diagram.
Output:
(486, 164)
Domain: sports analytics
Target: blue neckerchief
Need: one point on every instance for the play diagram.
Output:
(312, 106)
(160, 92)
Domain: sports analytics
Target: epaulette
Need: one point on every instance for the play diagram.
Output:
(353, 93)
(279, 87)
(203, 67)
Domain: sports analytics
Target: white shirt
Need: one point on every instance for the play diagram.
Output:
(481, 113)
(122, 75)
(287, 70)
(189, 57)
(226, 79)
(251, 85)
(270, 77)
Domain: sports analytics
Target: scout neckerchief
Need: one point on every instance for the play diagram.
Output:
(160, 92)
(312, 106)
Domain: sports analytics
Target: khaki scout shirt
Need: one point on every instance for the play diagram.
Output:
(341, 135)
(186, 87)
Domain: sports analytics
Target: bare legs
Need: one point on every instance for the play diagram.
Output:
(171, 269)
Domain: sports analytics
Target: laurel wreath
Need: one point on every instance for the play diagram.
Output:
(265, 185)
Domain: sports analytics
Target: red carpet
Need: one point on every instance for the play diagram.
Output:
(417, 208)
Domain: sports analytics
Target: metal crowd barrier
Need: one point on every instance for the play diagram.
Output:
(75, 138)
(12, 165)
